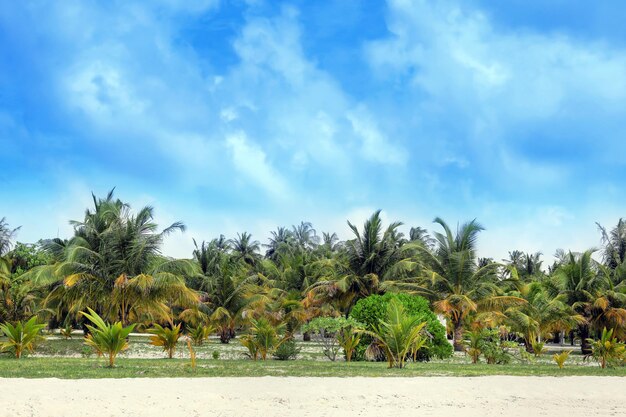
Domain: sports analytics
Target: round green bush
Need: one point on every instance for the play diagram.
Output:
(372, 309)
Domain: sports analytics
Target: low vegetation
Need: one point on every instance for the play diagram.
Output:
(21, 336)
(397, 335)
(166, 338)
(107, 339)
(561, 358)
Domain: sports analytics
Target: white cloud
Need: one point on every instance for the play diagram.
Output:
(375, 147)
(492, 85)
(250, 160)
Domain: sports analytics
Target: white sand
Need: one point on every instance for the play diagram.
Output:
(286, 397)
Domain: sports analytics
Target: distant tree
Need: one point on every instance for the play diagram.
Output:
(614, 244)
(372, 257)
(246, 249)
(279, 242)
(418, 234)
(584, 285)
(305, 236)
(7, 235)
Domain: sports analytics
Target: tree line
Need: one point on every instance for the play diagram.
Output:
(113, 265)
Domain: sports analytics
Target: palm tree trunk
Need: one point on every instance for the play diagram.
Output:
(528, 345)
(585, 347)
(458, 336)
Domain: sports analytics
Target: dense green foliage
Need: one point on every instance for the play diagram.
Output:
(299, 282)
(371, 310)
(398, 335)
(334, 333)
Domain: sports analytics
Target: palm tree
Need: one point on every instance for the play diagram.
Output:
(541, 315)
(246, 249)
(280, 241)
(587, 287)
(331, 241)
(226, 291)
(397, 334)
(614, 244)
(527, 265)
(209, 257)
(456, 283)
(419, 234)
(113, 265)
(6, 236)
(305, 236)
(367, 261)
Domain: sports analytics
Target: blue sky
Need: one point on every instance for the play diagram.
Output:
(246, 115)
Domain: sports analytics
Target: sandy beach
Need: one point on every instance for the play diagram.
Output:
(286, 397)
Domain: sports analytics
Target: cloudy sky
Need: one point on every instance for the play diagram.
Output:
(245, 115)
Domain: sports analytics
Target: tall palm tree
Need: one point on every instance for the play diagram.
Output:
(419, 234)
(331, 241)
(305, 235)
(6, 236)
(279, 242)
(457, 285)
(113, 264)
(372, 257)
(526, 264)
(614, 244)
(246, 249)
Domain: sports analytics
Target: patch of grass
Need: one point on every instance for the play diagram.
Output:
(73, 368)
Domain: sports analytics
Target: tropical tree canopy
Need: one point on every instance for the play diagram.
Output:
(112, 266)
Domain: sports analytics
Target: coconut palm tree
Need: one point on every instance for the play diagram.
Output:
(372, 257)
(587, 287)
(457, 286)
(541, 315)
(113, 265)
(6, 236)
(614, 244)
(280, 241)
(226, 291)
(305, 236)
(246, 249)
(419, 234)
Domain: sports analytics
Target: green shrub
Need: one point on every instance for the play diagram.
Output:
(371, 310)
(286, 351)
(216, 354)
(334, 333)
(494, 349)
